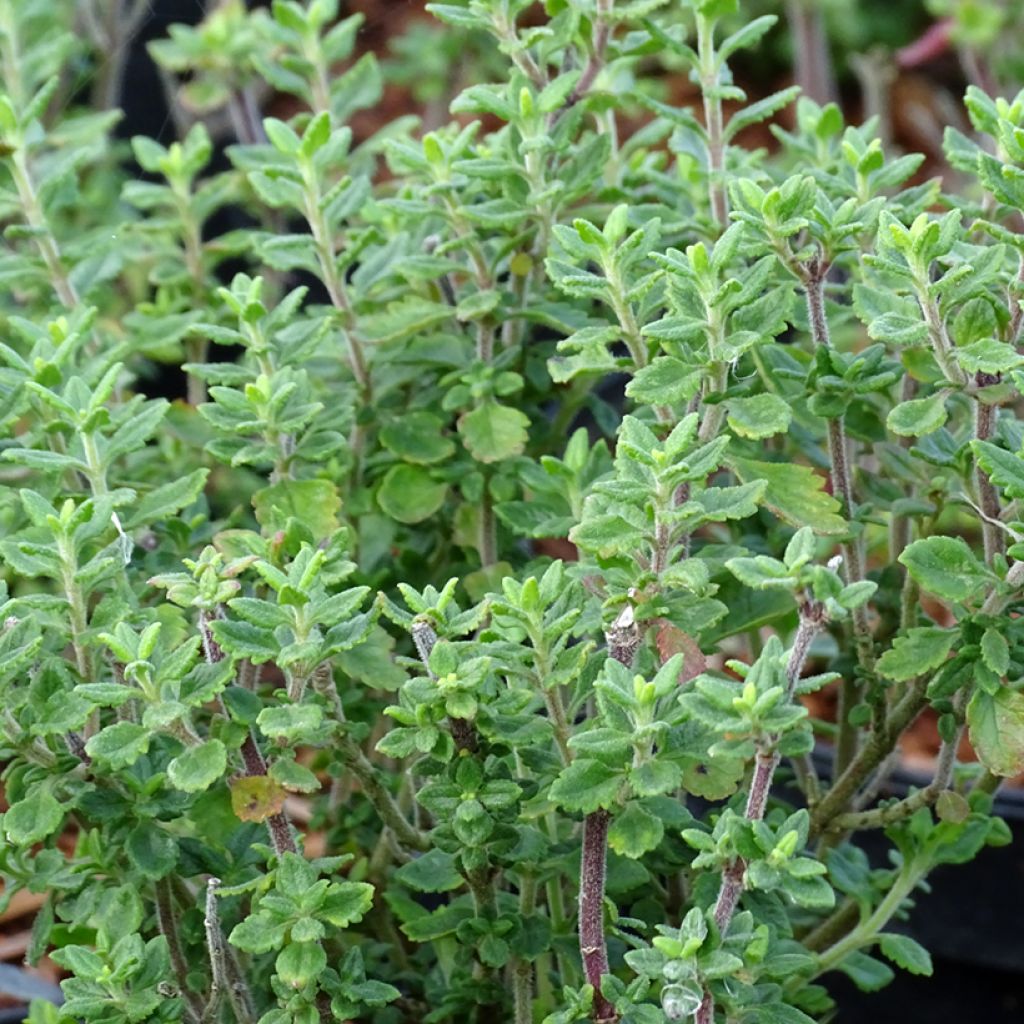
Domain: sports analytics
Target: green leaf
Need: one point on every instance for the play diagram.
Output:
(586, 785)
(921, 650)
(244, 640)
(435, 871)
(904, 952)
(996, 726)
(988, 356)
(867, 973)
(714, 778)
(759, 416)
(795, 493)
(761, 110)
(290, 722)
(294, 776)
(33, 819)
(417, 437)
(775, 1013)
(151, 851)
(946, 567)
(119, 745)
(918, 417)
(477, 305)
(404, 319)
(313, 503)
(995, 651)
(410, 494)
(1004, 469)
(635, 831)
(492, 432)
(300, 962)
(761, 572)
(168, 499)
(197, 768)
(346, 903)
(665, 381)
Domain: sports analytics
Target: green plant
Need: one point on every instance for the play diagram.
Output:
(547, 790)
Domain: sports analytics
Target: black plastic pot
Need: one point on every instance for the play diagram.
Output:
(971, 923)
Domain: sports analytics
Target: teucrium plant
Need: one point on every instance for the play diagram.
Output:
(762, 404)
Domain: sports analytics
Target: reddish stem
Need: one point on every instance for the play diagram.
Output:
(591, 914)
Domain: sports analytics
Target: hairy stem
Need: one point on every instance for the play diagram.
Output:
(853, 557)
(522, 968)
(881, 817)
(878, 746)
(710, 71)
(767, 760)
(813, 70)
(593, 950)
(988, 496)
(278, 825)
(167, 922)
(865, 933)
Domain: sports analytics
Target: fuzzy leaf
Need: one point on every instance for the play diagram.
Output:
(759, 416)
(151, 851)
(917, 417)
(417, 437)
(794, 493)
(665, 381)
(493, 432)
(996, 725)
(410, 494)
(1004, 469)
(904, 952)
(946, 567)
(586, 785)
(290, 722)
(995, 651)
(435, 871)
(199, 767)
(300, 962)
(33, 819)
(921, 650)
(168, 499)
(119, 745)
(635, 831)
(314, 503)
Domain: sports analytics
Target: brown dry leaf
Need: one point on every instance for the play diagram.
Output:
(672, 640)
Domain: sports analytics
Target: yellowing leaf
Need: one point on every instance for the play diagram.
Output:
(996, 725)
(256, 798)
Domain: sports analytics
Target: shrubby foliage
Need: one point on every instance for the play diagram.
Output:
(315, 593)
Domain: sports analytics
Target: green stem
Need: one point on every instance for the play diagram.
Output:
(867, 932)
(370, 778)
(45, 240)
(941, 347)
(487, 535)
(522, 968)
(714, 415)
(834, 927)
(710, 72)
(988, 496)
(813, 277)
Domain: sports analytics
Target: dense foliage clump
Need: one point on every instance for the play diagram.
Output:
(300, 719)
